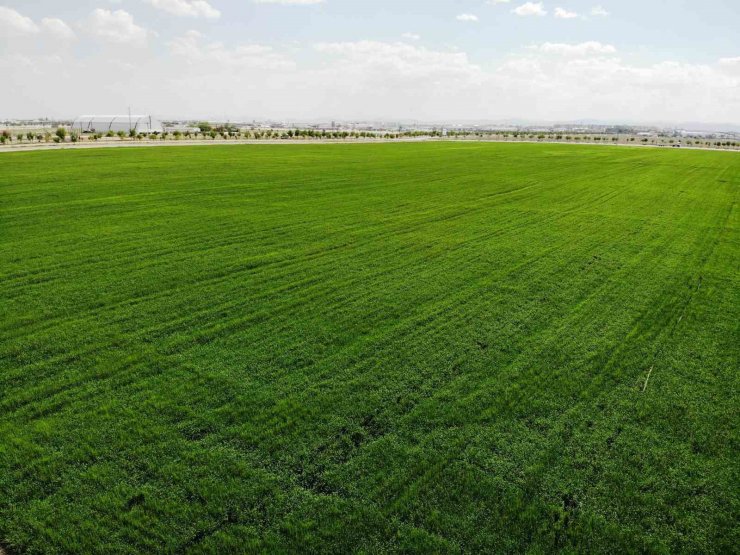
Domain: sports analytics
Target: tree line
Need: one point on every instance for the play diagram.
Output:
(208, 132)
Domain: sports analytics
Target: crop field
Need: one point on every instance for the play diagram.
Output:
(381, 348)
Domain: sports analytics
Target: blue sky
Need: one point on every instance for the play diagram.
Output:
(626, 60)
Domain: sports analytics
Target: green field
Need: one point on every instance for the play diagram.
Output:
(370, 348)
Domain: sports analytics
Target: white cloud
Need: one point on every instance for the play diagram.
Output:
(197, 76)
(589, 48)
(186, 8)
(498, 1)
(575, 86)
(562, 13)
(216, 56)
(290, 2)
(599, 11)
(58, 28)
(117, 26)
(467, 17)
(392, 63)
(411, 36)
(730, 65)
(13, 23)
(368, 79)
(529, 9)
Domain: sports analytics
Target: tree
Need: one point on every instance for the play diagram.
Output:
(30, 136)
(121, 135)
(74, 136)
(61, 134)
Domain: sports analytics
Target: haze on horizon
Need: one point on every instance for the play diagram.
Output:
(626, 60)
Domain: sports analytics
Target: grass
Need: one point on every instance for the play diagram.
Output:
(369, 348)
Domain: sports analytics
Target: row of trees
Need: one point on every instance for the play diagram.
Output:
(208, 132)
(59, 136)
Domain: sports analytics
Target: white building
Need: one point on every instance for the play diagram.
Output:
(103, 124)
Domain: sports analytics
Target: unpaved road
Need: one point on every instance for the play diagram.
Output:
(129, 144)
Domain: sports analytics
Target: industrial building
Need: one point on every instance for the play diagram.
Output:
(103, 124)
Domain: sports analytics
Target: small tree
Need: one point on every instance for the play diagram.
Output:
(121, 135)
(74, 136)
(19, 136)
(61, 134)
(30, 136)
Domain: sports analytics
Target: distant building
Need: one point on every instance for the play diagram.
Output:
(103, 124)
(181, 129)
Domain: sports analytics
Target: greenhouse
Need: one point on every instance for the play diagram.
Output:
(103, 124)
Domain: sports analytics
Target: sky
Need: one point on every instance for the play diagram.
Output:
(630, 61)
